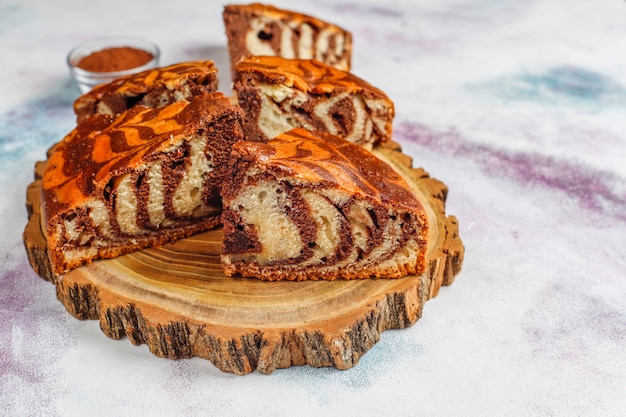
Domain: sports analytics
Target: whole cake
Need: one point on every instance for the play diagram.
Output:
(151, 88)
(314, 206)
(148, 177)
(260, 29)
(279, 94)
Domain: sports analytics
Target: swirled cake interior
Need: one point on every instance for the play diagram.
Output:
(149, 177)
(280, 94)
(314, 206)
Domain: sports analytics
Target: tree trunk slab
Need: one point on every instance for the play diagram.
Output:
(176, 299)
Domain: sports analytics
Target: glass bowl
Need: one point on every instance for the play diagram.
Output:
(86, 80)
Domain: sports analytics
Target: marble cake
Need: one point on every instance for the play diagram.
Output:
(151, 88)
(145, 178)
(259, 29)
(314, 206)
(280, 94)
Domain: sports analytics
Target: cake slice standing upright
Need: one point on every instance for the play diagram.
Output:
(259, 29)
(307, 206)
(149, 177)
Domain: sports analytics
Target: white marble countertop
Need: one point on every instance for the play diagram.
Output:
(518, 106)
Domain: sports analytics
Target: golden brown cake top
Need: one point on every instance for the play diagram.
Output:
(97, 150)
(136, 84)
(307, 75)
(327, 160)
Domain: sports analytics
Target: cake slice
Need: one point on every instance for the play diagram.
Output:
(260, 29)
(314, 206)
(149, 177)
(280, 94)
(151, 88)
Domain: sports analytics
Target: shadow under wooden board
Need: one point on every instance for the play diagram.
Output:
(176, 299)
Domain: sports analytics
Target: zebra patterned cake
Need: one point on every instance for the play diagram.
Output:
(314, 206)
(148, 177)
(259, 29)
(279, 94)
(151, 88)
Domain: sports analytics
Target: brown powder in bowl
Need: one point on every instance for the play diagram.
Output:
(115, 59)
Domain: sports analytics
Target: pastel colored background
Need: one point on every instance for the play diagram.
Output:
(518, 106)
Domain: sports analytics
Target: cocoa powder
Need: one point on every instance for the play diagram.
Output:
(115, 59)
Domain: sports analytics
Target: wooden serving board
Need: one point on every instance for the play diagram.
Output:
(177, 300)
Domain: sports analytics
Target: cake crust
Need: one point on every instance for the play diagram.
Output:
(314, 206)
(151, 88)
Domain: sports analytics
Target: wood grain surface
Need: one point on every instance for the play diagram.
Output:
(176, 299)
